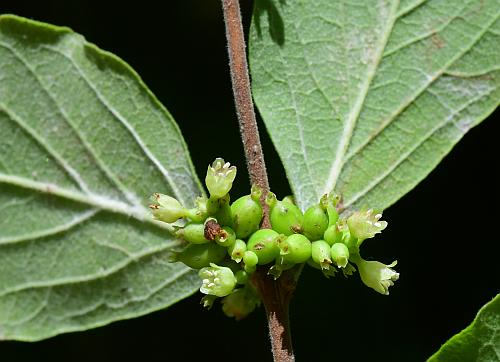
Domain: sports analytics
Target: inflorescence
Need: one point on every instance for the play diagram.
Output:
(224, 241)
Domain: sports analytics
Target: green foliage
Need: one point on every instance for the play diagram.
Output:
(367, 97)
(478, 342)
(83, 142)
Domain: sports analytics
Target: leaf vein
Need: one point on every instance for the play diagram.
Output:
(417, 93)
(82, 217)
(117, 115)
(405, 156)
(353, 115)
(131, 197)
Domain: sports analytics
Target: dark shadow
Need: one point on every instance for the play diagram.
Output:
(276, 26)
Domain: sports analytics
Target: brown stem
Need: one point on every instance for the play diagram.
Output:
(276, 295)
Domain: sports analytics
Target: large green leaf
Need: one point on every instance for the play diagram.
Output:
(366, 97)
(83, 143)
(479, 342)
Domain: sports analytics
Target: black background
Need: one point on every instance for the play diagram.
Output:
(444, 233)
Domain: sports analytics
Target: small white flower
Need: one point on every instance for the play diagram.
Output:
(365, 224)
(217, 280)
(376, 275)
(220, 177)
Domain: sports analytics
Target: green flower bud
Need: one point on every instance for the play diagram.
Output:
(340, 254)
(237, 250)
(350, 241)
(330, 203)
(241, 277)
(285, 218)
(226, 237)
(376, 275)
(247, 213)
(165, 208)
(365, 224)
(193, 232)
(240, 303)
(333, 234)
(250, 259)
(315, 222)
(264, 243)
(217, 280)
(197, 256)
(220, 177)
(295, 249)
(320, 253)
(326, 272)
(199, 213)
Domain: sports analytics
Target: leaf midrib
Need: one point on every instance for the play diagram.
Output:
(353, 115)
(404, 156)
(418, 92)
(125, 123)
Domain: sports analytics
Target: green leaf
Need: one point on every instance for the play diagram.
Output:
(366, 97)
(479, 342)
(83, 143)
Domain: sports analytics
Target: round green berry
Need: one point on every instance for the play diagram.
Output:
(286, 218)
(194, 233)
(247, 214)
(315, 222)
(264, 243)
(332, 235)
(320, 253)
(340, 254)
(295, 249)
(198, 256)
(250, 259)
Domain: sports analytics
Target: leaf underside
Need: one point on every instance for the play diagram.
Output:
(83, 143)
(479, 342)
(366, 97)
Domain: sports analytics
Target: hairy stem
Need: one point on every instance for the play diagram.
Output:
(276, 295)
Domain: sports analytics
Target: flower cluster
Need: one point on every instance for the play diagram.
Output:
(223, 240)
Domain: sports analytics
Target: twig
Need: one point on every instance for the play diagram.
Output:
(276, 295)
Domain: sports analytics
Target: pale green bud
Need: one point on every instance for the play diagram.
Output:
(340, 254)
(237, 250)
(365, 224)
(220, 177)
(199, 213)
(217, 280)
(165, 208)
(250, 259)
(376, 275)
(320, 253)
